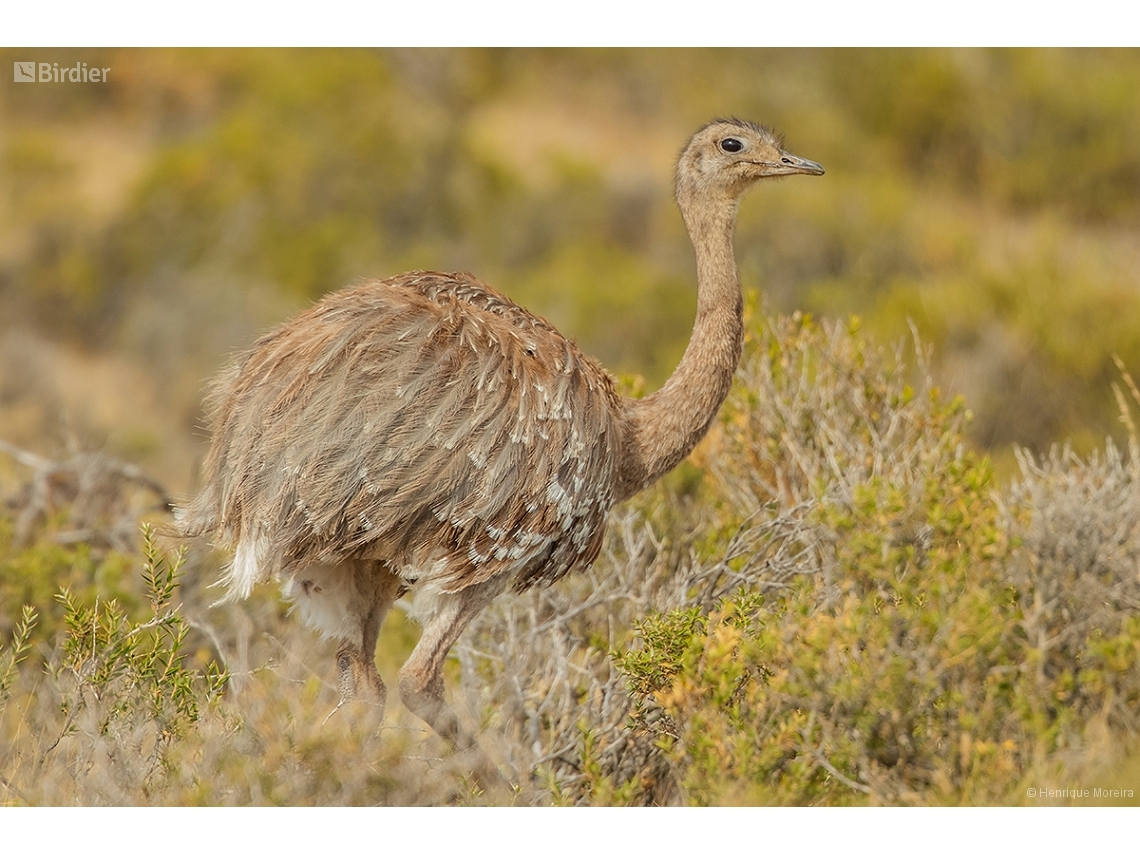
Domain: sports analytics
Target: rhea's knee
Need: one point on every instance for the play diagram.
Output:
(420, 694)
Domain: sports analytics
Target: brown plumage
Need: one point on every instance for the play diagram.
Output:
(424, 432)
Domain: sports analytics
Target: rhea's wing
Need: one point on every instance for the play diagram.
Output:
(425, 432)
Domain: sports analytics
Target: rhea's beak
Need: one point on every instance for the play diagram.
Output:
(799, 166)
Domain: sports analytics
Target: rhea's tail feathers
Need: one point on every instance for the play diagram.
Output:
(247, 569)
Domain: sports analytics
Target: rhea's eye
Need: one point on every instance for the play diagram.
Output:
(731, 144)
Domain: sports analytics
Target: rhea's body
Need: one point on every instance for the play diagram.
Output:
(422, 423)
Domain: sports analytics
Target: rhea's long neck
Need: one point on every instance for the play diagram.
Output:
(662, 428)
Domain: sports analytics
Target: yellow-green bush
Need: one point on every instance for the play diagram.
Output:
(931, 640)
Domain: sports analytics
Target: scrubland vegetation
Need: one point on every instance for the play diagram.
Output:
(903, 569)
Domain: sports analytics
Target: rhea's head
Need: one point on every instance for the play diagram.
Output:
(727, 156)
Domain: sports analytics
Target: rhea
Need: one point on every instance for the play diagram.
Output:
(424, 433)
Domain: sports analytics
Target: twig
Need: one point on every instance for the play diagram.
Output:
(22, 456)
(8, 785)
(839, 776)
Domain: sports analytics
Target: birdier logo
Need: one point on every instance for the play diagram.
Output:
(50, 72)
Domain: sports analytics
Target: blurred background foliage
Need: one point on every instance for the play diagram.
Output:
(151, 225)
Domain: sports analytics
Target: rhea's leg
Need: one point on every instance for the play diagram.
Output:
(356, 667)
(421, 677)
(356, 660)
(349, 601)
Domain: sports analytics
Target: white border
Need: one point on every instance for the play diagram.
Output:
(447, 23)
(572, 831)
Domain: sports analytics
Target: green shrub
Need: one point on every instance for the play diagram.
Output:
(122, 690)
(929, 640)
